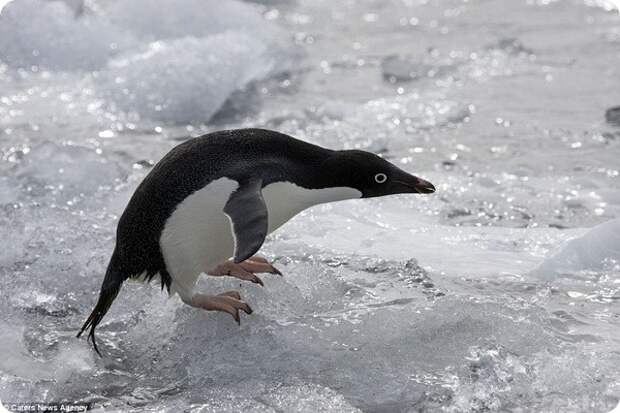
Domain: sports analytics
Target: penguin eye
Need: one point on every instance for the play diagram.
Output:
(380, 178)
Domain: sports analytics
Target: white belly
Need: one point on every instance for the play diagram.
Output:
(198, 235)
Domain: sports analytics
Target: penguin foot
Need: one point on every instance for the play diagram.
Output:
(258, 264)
(246, 270)
(228, 302)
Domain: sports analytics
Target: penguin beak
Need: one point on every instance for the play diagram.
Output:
(423, 186)
(415, 185)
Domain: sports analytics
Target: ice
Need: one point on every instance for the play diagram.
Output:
(612, 115)
(497, 293)
(596, 250)
(175, 66)
(170, 19)
(404, 69)
(186, 79)
(48, 34)
(7, 192)
(68, 169)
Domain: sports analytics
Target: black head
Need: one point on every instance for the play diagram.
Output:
(371, 175)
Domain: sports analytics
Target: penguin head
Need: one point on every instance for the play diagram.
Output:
(372, 175)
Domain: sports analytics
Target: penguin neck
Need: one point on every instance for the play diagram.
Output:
(285, 199)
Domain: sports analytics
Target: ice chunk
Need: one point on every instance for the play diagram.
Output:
(185, 79)
(7, 191)
(75, 169)
(512, 46)
(168, 19)
(164, 60)
(308, 398)
(255, 397)
(48, 34)
(596, 250)
(403, 69)
(67, 360)
(612, 115)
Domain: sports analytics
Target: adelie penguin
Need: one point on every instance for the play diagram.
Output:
(218, 196)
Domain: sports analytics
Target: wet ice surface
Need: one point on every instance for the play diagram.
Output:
(498, 293)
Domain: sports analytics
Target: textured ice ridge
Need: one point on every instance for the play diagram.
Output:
(174, 61)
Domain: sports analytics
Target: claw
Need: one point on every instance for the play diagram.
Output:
(247, 309)
(228, 302)
(246, 270)
(262, 260)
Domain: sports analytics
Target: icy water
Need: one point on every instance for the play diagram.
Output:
(499, 293)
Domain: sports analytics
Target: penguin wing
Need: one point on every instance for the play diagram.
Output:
(247, 211)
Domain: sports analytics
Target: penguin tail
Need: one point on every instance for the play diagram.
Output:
(109, 290)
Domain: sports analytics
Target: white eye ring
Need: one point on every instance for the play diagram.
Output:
(380, 178)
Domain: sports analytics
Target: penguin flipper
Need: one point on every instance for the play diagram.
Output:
(248, 215)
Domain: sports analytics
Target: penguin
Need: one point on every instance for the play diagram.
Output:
(209, 203)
